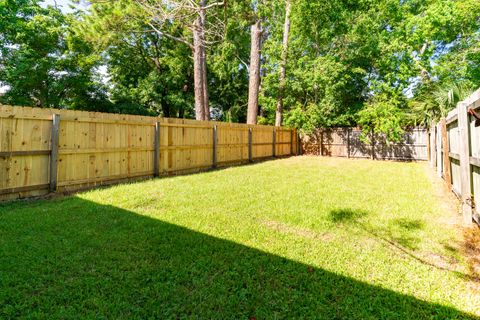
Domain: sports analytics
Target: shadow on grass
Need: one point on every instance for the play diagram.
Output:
(404, 232)
(74, 259)
(346, 215)
(400, 234)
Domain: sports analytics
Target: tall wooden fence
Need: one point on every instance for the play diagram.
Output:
(346, 142)
(455, 153)
(44, 150)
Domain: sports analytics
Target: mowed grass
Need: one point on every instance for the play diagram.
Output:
(302, 237)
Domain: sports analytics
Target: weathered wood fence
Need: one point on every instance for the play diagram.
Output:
(346, 142)
(44, 150)
(455, 153)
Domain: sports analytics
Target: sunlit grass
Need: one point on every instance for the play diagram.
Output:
(297, 237)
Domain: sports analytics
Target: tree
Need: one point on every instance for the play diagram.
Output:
(193, 16)
(42, 62)
(147, 73)
(261, 13)
(254, 82)
(283, 65)
(229, 67)
(438, 101)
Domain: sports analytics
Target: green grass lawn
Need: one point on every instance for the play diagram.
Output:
(294, 238)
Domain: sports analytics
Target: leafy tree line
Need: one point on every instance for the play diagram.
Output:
(381, 64)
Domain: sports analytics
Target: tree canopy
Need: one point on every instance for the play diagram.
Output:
(381, 64)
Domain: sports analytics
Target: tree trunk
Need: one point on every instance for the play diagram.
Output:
(198, 72)
(283, 66)
(254, 84)
(206, 106)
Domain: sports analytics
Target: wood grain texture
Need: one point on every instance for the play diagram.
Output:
(98, 148)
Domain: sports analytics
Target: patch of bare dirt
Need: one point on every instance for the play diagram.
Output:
(470, 246)
(472, 251)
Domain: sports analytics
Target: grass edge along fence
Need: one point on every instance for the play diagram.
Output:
(49, 150)
(454, 151)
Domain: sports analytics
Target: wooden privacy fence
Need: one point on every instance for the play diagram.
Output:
(44, 150)
(346, 142)
(455, 153)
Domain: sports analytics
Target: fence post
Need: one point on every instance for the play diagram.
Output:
(215, 142)
(299, 144)
(54, 152)
(250, 143)
(433, 151)
(321, 142)
(348, 143)
(439, 151)
(446, 155)
(156, 153)
(373, 144)
(291, 142)
(274, 144)
(428, 147)
(465, 163)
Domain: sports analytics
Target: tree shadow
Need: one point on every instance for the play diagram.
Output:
(404, 232)
(346, 215)
(73, 258)
(400, 234)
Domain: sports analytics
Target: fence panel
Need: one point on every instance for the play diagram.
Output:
(262, 142)
(98, 148)
(463, 134)
(347, 142)
(232, 144)
(474, 152)
(24, 152)
(358, 148)
(282, 142)
(335, 142)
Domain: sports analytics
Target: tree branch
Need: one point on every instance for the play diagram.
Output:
(170, 36)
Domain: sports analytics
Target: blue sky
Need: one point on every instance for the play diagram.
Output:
(64, 5)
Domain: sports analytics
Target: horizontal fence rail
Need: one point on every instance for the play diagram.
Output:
(346, 142)
(44, 150)
(455, 154)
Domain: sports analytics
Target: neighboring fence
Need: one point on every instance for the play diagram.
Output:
(44, 150)
(455, 153)
(346, 142)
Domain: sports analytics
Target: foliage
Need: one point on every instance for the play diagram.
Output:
(146, 72)
(346, 59)
(436, 103)
(42, 62)
(383, 116)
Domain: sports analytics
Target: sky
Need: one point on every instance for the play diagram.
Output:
(64, 5)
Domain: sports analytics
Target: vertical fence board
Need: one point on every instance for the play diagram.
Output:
(54, 152)
(433, 146)
(464, 154)
(446, 157)
(215, 144)
(156, 154)
(439, 150)
(250, 147)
